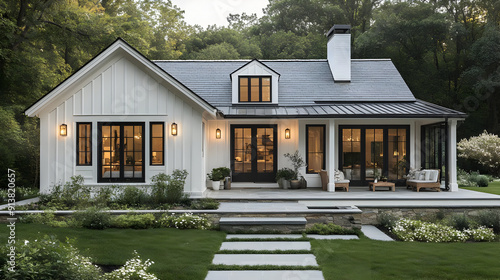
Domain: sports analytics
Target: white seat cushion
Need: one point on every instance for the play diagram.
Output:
(421, 181)
(342, 181)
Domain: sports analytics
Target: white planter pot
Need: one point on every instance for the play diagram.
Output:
(215, 185)
(286, 184)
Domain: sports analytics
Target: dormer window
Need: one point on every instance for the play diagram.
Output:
(254, 83)
(254, 89)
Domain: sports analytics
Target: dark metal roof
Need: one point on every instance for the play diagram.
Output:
(412, 109)
(302, 82)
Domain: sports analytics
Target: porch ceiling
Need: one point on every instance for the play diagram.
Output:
(413, 109)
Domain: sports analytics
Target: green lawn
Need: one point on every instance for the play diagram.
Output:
(178, 254)
(368, 259)
(493, 188)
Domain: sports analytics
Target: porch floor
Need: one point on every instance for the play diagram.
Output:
(361, 197)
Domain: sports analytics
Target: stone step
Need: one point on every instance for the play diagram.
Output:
(290, 236)
(266, 259)
(263, 236)
(262, 221)
(265, 275)
(266, 245)
(262, 224)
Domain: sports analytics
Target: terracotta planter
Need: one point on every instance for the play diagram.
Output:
(295, 184)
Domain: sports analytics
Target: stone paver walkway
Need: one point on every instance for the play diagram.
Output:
(278, 259)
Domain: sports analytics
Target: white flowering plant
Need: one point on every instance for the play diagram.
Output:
(134, 269)
(47, 258)
(484, 148)
(415, 230)
(185, 221)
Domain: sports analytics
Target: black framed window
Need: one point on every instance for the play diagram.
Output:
(84, 144)
(315, 148)
(157, 156)
(121, 152)
(255, 89)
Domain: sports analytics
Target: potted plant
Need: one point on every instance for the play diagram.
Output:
(297, 162)
(376, 174)
(216, 177)
(226, 174)
(283, 177)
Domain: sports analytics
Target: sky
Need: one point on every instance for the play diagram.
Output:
(209, 12)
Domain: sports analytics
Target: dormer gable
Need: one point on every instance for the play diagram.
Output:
(254, 83)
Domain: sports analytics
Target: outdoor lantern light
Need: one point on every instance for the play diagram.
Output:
(287, 133)
(217, 133)
(63, 129)
(173, 129)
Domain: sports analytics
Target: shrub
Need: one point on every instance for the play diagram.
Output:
(483, 148)
(104, 196)
(134, 269)
(159, 189)
(387, 220)
(330, 228)
(482, 181)
(47, 258)
(135, 221)
(38, 218)
(131, 196)
(460, 222)
(205, 203)
(71, 194)
(93, 218)
(175, 187)
(490, 219)
(185, 221)
(169, 189)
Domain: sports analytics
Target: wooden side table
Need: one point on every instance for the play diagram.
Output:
(390, 185)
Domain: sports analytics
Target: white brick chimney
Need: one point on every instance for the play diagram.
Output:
(339, 52)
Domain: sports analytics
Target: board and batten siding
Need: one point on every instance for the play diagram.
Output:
(120, 91)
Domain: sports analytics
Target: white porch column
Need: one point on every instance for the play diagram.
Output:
(452, 156)
(331, 155)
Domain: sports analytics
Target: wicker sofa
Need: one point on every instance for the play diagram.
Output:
(427, 178)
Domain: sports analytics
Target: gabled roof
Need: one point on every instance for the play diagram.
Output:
(118, 45)
(257, 61)
(303, 82)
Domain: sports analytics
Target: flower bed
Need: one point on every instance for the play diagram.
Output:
(414, 230)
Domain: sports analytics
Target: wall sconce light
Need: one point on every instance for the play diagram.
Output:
(396, 153)
(63, 129)
(217, 133)
(287, 133)
(173, 129)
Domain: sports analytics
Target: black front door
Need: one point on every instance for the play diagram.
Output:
(253, 153)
